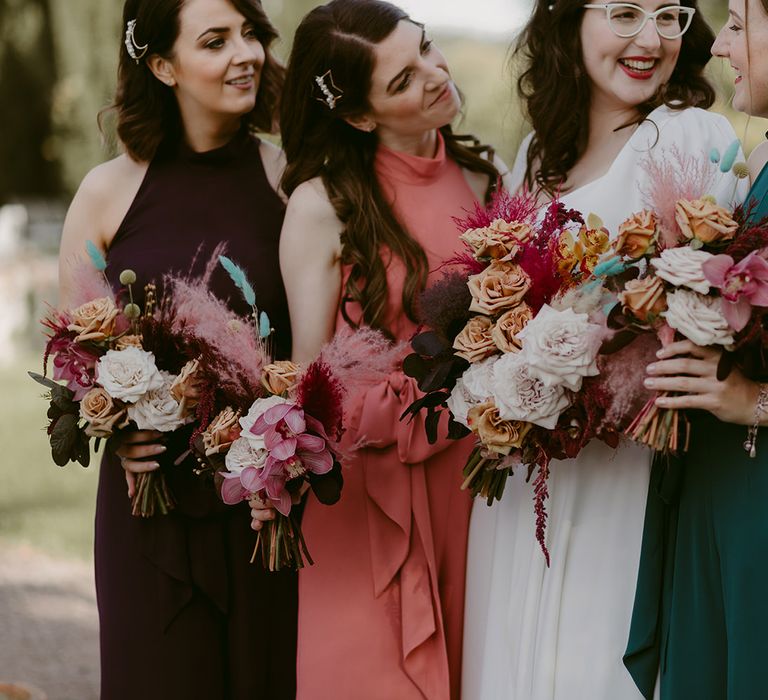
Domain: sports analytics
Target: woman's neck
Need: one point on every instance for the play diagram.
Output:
(421, 145)
(207, 137)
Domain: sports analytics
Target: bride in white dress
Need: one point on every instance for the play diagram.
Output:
(533, 633)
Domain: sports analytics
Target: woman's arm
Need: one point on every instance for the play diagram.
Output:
(96, 212)
(692, 371)
(310, 263)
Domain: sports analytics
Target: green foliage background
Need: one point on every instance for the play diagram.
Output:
(57, 70)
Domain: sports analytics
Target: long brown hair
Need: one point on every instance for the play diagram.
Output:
(147, 111)
(555, 87)
(340, 37)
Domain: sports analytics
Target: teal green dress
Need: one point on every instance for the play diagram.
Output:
(700, 621)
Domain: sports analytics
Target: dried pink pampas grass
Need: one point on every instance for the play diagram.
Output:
(672, 176)
(87, 282)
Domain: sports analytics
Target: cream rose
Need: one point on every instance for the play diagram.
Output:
(128, 374)
(222, 432)
(495, 434)
(637, 235)
(561, 347)
(505, 330)
(103, 414)
(644, 298)
(704, 220)
(682, 267)
(474, 343)
(698, 318)
(475, 386)
(94, 320)
(279, 377)
(258, 408)
(519, 395)
(501, 286)
(157, 409)
(243, 453)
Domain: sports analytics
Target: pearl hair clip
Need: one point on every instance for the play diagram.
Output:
(135, 51)
(328, 95)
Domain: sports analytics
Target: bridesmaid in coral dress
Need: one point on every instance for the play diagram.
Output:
(375, 176)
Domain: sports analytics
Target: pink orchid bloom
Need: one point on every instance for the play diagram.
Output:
(74, 364)
(743, 285)
(292, 449)
(238, 487)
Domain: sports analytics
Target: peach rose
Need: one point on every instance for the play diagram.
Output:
(222, 432)
(497, 435)
(637, 235)
(128, 341)
(644, 298)
(704, 220)
(279, 377)
(102, 413)
(499, 287)
(505, 330)
(94, 320)
(186, 386)
(498, 240)
(474, 343)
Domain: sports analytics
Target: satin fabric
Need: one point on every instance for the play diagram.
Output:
(381, 611)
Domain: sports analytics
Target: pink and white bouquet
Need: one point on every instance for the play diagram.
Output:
(512, 351)
(688, 269)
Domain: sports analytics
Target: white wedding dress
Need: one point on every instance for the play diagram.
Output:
(533, 633)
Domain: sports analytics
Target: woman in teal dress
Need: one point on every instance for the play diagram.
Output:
(700, 623)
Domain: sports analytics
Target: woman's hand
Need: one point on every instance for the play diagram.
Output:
(691, 371)
(136, 451)
(261, 512)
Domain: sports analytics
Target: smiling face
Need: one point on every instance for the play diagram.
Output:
(412, 92)
(216, 64)
(743, 41)
(625, 72)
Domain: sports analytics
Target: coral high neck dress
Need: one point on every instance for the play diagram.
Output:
(380, 612)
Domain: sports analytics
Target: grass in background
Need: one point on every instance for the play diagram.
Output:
(42, 505)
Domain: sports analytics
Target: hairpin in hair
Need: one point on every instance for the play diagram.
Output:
(325, 93)
(135, 51)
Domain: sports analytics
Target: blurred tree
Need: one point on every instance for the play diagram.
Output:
(87, 39)
(26, 58)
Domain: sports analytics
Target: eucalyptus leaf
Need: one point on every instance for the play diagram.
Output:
(45, 381)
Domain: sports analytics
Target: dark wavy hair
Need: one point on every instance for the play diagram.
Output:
(555, 87)
(147, 110)
(340, 37)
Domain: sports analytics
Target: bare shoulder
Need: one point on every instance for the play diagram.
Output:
(310, 219)
(757, 159)
(103, 199)
(273, 159)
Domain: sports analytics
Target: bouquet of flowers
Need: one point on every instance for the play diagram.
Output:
(115, 373)
(284, 432)
(512, 349)
(687, 268)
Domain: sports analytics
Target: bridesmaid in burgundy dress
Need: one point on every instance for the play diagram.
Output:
(183, 614)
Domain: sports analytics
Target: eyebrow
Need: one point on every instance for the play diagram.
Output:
(214, 30)
(408, 67)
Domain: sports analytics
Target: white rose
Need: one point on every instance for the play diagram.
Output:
(561, 347)
(243, 454)
(257, 410)
(698, 318)
(157, 409)
(473, 388)
(128, 374)
(520, 396)
(682, 267)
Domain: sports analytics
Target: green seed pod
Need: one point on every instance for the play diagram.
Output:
(132, 311)
(740, 170)
(127, 277)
